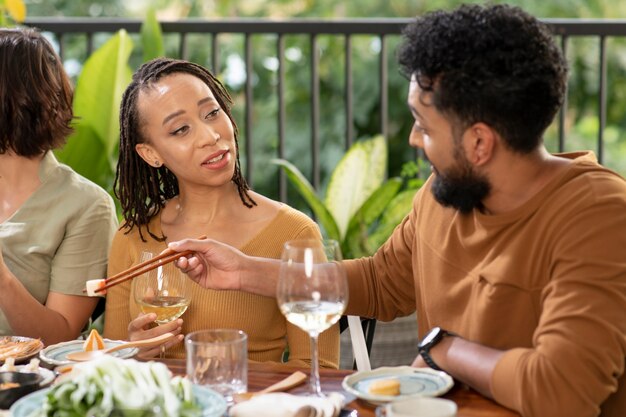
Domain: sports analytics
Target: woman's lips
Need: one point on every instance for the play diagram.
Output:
(218, 160)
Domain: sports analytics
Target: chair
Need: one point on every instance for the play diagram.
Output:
(362, 336)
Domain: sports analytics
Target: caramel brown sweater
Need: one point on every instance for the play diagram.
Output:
(545, 282)
(268, 332)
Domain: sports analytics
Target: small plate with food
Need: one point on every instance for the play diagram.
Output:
(382, 385)
(57, 354)
(19, 348)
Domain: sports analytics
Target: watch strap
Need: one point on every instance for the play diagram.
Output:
(429, 361)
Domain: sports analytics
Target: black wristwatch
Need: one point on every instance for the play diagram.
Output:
(434, 336)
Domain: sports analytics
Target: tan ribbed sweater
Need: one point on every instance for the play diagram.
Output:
(268, 332)
(545, 282)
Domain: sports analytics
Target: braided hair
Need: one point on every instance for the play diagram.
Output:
(142, 189)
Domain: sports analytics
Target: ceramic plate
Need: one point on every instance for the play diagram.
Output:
(212, 403)
(19, 339)
(57, 354)
(424, 382)
(47, 374)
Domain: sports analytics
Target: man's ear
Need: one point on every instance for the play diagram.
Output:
(149, 154)
(480, 143)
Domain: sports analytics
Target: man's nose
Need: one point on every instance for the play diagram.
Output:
(416, 139)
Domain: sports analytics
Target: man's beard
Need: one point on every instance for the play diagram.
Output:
(461, 188)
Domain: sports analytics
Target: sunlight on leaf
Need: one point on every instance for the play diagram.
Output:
(359, 173)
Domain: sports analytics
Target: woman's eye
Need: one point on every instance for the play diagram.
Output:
(212, 114)
(179, 131)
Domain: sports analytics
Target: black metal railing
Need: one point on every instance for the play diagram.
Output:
(344, 30)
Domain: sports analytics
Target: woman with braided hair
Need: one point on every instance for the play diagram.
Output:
(178, 176)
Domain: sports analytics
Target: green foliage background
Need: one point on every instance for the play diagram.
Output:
(583, 56)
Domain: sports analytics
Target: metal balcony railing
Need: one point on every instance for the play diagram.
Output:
(344, 30)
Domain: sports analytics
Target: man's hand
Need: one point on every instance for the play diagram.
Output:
(214, 265)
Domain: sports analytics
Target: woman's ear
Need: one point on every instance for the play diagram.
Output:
(149, 154)
(480, 141)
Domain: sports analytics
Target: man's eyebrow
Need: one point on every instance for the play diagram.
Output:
(171, 116)
(414, 111)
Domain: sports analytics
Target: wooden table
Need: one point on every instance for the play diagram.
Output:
(260, 375)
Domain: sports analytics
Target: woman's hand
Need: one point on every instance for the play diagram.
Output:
(140, 329)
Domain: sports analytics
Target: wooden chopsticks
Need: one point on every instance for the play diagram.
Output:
(163, 258)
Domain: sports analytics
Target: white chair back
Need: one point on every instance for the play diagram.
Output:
(359, 348)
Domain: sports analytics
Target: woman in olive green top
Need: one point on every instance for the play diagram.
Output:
(55, 226)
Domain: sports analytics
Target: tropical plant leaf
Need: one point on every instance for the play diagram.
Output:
(304, 187)
(397, 209)
(151, 37)
(100, 87)
(358, 229)
(87, 156)
(91, 149)
(359, 173)
(16, 9)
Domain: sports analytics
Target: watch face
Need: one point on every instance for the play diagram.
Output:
(432, 336)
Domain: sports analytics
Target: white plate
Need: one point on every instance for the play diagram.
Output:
(47, 375)
(57, 354)
(211, 403)
(414, 382)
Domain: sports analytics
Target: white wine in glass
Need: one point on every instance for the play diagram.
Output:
(312, 291)
(164, 291)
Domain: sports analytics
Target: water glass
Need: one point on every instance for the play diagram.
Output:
(218, 359)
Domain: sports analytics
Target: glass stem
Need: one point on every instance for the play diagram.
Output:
(316, 389)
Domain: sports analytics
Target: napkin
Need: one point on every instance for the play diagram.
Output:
(288, 405)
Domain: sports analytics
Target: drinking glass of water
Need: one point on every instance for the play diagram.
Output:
(312, 291)
(218, 359)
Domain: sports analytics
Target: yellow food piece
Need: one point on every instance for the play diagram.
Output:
(385, 387)
(93, 342)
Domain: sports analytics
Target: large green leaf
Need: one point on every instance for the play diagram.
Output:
(360, 223)
(359, 173)
(100, 87)
(151, 37)
(397, 209)
(307, 192)
(87, 156)
(91, 150)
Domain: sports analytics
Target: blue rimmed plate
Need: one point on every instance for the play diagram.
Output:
(424, 382)
(57, 354)
(211, 403)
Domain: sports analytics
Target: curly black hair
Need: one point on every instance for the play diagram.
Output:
(492, 64)
(142, 189)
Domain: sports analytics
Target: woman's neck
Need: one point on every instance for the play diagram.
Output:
(17, 171)
(204, 206)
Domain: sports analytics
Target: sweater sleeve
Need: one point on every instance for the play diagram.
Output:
(579, 346)
(382, 286)
(117, 313)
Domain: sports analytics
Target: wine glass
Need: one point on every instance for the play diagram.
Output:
(312, 291)
(164, 291)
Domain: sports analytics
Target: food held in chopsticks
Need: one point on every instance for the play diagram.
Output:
(97, 287)
(111, 384)
(11, 347)
(93, 342)
(93, 287)
(385, 387)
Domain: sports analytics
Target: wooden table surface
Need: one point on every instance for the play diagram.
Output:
(261, 375)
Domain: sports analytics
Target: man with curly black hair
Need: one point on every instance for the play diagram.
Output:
(518, 254)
